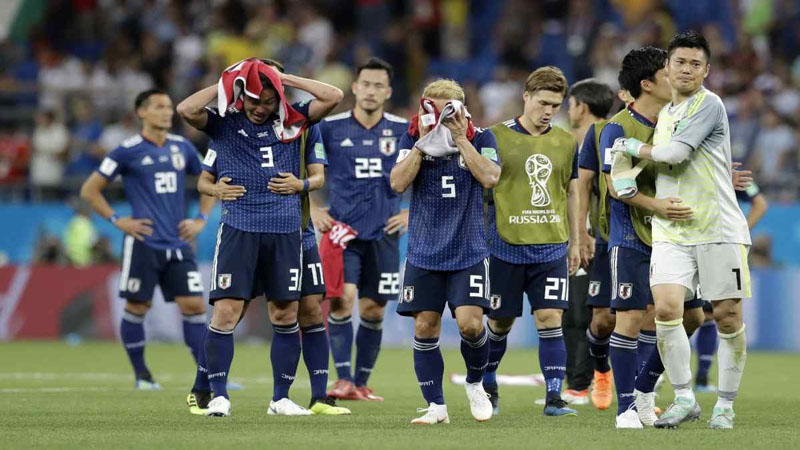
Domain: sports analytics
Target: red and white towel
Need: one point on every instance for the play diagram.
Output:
(331, 252)
(439, 141)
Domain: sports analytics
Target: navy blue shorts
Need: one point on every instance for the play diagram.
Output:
(600, 278)
(247, 265)
(313, 282)
(431, 290)
(374, 266)
(144, 267)
(546, 284)
(630, 276)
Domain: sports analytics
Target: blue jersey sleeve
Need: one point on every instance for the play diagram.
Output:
(210, 160)
(113, 164)
(486, 144)
(193, 165)
(302, 107)
(588, 154)
(315, 149)
(575, 164)
(214, 123)
(405, 145)
(611, 132)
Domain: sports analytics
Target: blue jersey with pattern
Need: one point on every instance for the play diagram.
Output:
(309, 237)
(621, 231)
(251, 155)
(525, 254)
(154, 178)
(361, 161)
(446, 230)
(588, 159)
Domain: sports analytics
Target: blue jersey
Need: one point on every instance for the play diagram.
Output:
(154, 178)
(446, 230)
(622, 233)
(309, 237)
(361, 161)
(588, 155)
(251, 155)
(525, 254)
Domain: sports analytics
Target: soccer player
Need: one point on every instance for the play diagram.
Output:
(259, 240)
(157, 246)
(692, 150)
(589, 104)
(447, 261)
(707, 334)
(533, 231)
(361, 148)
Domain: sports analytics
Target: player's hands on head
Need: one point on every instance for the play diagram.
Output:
(423, 129)
(742, 179)
(673, 208)
(397, 223)
(228, 192)
(573, 258)
(457, 124)
(188, 229)
(138, 228)
(321, 219)
(285, 184)
(586, 249)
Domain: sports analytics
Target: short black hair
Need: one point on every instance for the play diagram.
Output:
(375, 63)
(596, 95)
(142, 97)
(273, 63)
(638, 65)
(690, 39)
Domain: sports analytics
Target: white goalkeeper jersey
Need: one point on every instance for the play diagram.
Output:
(702, 181)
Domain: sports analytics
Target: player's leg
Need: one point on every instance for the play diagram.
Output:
(647, 338)
(340, 323)
(507, 285)
(423, 297)
(580, 365)
(706, 347)
(219, 351)
(133, 339)
(673, 279)
(600, 328)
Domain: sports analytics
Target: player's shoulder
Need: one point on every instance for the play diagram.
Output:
(395, 119)
(176, 137)
(706, 99)
(132, 142)
(510, 123)
(338, 117)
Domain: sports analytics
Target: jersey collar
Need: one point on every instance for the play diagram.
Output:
(353, 116)
(524, 130)
(638, 116)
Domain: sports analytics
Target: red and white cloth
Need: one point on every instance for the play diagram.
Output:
(242, 79)
(439, 141)
(331, 252)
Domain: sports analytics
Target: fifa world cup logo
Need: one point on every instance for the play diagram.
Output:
(538, 167)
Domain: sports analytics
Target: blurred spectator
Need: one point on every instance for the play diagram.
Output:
(761, 252)
(15, 153)
(114, 134)
(50, 144)
(497, 93)
(48, 249)
(85, 152)
(80, 235)
(102, 252)
(773, 143)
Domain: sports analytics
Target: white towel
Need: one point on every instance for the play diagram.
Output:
(624, 173)
(439, 141)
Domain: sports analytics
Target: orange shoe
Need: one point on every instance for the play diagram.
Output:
(368, 394)
(601, 394)
(344, 390)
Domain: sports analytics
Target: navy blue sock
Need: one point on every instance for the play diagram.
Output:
(497, 348)
(340, 333)
(429, 367)
(476, 355)
(219, 356)
(647, 345)
(131, 331)
(552, 360)
(623, 360)
(648, 376)
(201, 377)
(194, 331)
(706, 346)
(284, 356)
(315, 355)
(368, 345)
(598, 350)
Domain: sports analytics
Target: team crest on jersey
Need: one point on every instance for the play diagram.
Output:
(178, 161)
(174, 148)
(387, 132)
(408, 294)
(539, 168)
(387, 145)
(625, 290)
(594, 288)
(134, 284)
(224, 280)
(679, 126)
(495, 301)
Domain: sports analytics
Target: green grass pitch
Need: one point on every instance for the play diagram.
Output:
(59, 396)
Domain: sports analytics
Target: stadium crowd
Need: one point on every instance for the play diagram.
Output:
(70, 69)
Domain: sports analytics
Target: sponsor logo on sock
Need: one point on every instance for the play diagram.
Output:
(320, 372)
(341, 364)
(426, 383)
(287, 377)
(217, 375)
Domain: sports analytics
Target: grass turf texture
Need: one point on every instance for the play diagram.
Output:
(59, 396)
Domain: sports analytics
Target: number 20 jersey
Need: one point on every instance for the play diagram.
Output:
(446, 223)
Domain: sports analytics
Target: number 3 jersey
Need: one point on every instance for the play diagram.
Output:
(361, 161)
(250, 155)
(154, 179)
(446, 224)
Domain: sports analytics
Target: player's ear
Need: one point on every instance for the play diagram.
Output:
(388, 93)
(645, 85)
(526, 96)
(708, 70)
(353, 87)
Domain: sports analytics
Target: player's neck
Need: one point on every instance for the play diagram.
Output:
(678, 98)
(367, 119)
(532, 129)
(157, 136)
(648, 106)
(583, 127)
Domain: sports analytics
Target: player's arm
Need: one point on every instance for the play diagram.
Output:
(207, 184)
(192, 109)
(485, 170)
(288, 184)
(188, 229)
(758, 208)
(406, 169)
(92, 193)
(670, 208)
(577, 222)
(585, 182)
(327, 96)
